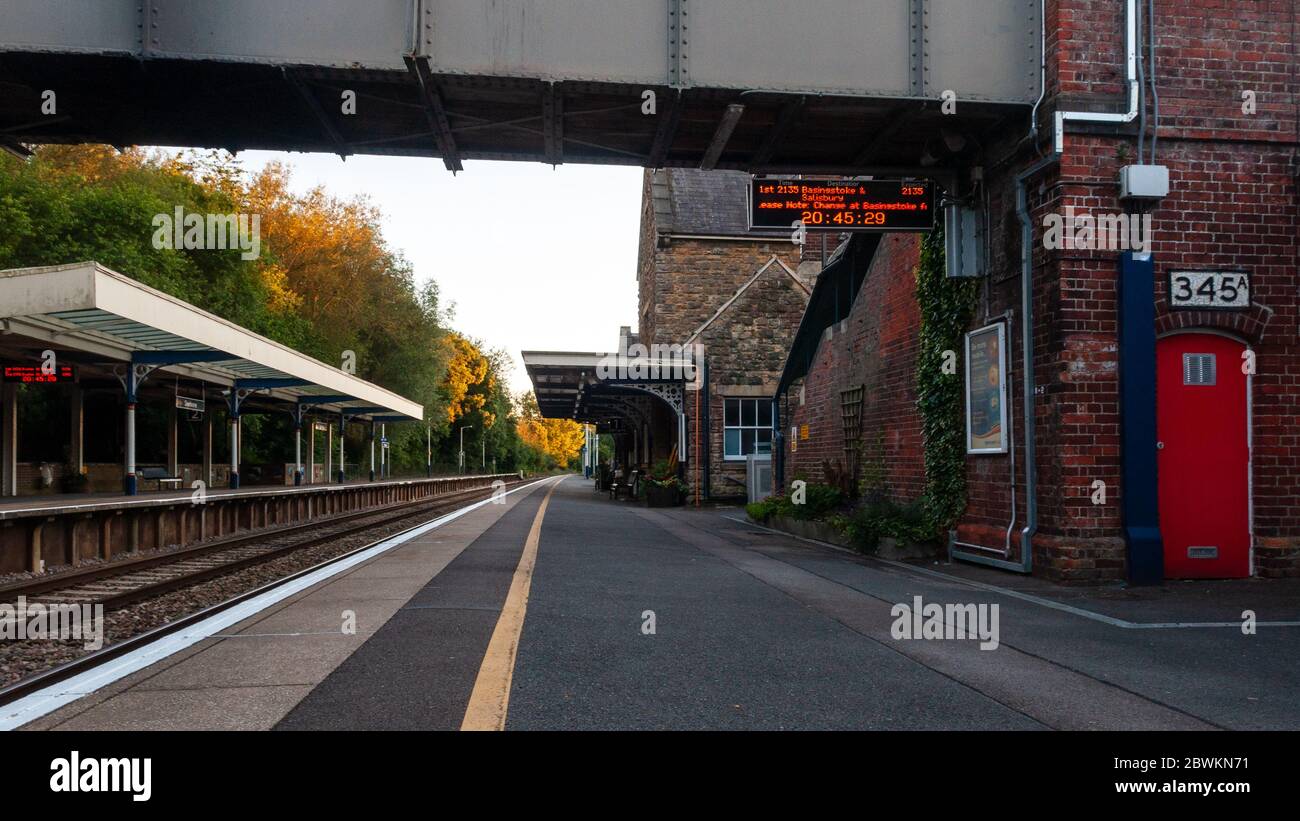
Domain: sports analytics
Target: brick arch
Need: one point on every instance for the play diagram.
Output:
(1249, 325)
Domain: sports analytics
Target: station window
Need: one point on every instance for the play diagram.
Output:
(747, 427)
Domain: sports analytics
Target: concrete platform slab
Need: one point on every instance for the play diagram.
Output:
(239, 708)
(253, 674)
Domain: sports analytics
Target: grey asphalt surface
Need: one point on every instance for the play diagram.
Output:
(756, 630)
(418, 670)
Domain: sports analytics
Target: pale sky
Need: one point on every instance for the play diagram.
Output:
(533, 258)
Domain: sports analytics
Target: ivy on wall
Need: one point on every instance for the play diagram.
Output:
(947, 306)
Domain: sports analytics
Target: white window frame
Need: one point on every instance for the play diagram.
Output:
(757, 400)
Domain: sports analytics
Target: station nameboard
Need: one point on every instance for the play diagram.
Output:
(33, 375)
(190, 403)
(842, 205)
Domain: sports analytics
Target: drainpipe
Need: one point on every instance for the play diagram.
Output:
(1025, 565)
(1131, 53)
(778, 445)
(1027, 358)
(707, 424)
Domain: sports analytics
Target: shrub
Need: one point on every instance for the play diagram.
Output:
(819, 501)
(763, 510)
(876, 518)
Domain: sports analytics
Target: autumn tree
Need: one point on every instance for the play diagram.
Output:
(558, 440)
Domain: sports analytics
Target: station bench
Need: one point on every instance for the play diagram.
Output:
(162, 476)
(623, 486)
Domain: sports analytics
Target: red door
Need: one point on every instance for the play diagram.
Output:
(1203, 456)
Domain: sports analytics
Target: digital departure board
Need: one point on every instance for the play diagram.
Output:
(33, 375)
(842, 205)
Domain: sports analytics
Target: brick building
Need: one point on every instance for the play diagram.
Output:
(852, 391)
(704, 278)
(1181, 407)
(730, 298)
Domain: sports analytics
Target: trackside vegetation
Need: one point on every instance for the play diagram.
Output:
(325, 283)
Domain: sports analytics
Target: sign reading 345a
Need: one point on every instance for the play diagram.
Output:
(1200, 290)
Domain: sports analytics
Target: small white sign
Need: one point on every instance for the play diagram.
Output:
(1209, 289)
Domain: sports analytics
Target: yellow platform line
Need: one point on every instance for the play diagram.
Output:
(491, 697)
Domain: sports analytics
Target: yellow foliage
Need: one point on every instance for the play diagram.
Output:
(469, 382)
(559, 439)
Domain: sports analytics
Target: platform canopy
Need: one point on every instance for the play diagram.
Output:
(100, 315)
(581, 386)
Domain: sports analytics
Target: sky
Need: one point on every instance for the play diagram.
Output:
(533, 258)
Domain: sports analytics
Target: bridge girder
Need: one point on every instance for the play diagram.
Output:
(612, 82)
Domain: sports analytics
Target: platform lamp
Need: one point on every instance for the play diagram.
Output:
(463, 428)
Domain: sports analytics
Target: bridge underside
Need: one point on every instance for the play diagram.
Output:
(847, 86)
(239, 106)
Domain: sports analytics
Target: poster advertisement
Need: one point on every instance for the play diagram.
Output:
(986, 415)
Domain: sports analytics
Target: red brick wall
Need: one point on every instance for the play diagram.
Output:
(1233, 205)
(875, 346)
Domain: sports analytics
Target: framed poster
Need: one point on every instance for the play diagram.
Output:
(986, 390)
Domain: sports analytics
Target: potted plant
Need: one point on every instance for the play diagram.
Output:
(73, 480)
(662, 487)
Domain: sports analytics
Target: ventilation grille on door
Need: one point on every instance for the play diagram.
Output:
(1198, 369)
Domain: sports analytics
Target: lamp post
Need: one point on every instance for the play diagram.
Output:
(462, 446)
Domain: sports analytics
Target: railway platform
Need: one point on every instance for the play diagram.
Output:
(562, 609)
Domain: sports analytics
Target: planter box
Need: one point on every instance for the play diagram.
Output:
(656, 496)
(891, 548)
(810, 529)
(886, 548)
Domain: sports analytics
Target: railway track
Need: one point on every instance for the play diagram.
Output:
(426, 510)
(118, 584)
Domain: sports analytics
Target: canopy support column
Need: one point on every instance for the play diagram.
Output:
(132, 383)
(234, 449)
(234, 400)
(299, 411)
(10, 445)
(343, 420)
(173, 442)
(207, 449)
(76, 444)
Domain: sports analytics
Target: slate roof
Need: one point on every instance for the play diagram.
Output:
(703, 203)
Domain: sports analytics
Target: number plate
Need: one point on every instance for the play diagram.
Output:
(1199, 290)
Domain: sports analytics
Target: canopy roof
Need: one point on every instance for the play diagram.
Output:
(832, 299)
(87, 308)
(566, 382)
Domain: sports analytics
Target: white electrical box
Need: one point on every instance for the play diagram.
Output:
(1143, 182)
